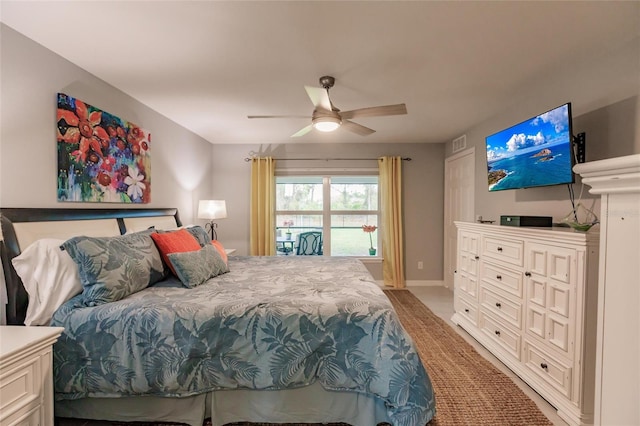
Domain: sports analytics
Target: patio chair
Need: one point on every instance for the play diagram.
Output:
(309, 243)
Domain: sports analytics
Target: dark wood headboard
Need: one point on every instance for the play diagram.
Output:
(10, 248)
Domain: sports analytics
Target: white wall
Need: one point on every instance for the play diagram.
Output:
(604, 89)
(30, 78)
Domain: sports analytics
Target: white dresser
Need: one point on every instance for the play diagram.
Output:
(26, 380)
(618, 341)
(529, 295)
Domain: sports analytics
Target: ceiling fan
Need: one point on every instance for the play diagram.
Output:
(327, 118)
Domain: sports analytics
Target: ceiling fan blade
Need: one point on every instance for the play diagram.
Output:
(302, 131)
(356, 128)
(278, 116)
(319, 97)
(378, 111)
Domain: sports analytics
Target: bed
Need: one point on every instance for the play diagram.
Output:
(278, 339)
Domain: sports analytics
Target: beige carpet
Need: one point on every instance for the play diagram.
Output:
(469, 389)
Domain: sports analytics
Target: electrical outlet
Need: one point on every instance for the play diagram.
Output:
(420, 265)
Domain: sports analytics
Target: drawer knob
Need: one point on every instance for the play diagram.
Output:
(500, 249)
(466, 310)
(498, 277)
(544, 366)
(527, 274)
(497, 332)
(498, 304)
(477, 257)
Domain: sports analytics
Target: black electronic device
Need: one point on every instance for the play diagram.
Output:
(516, 220)
(579, 143)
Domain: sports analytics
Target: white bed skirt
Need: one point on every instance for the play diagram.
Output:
(311, 404)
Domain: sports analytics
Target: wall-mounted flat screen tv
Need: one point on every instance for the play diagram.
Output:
(536, 152)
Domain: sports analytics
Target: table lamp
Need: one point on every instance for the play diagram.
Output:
(212, 209)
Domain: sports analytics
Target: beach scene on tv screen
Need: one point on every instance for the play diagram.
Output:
(536, 152)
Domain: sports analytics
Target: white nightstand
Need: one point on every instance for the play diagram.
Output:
(229, 251)
(26, 377)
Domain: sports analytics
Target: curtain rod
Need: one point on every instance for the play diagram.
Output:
(328, 159)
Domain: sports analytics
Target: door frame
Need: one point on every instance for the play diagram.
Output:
(448, 276)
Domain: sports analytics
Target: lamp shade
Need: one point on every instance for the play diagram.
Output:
(212, 209)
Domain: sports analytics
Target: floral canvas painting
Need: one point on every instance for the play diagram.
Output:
(101, 157)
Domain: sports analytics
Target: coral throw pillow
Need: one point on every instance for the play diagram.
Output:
(218, 245)
(180, 241)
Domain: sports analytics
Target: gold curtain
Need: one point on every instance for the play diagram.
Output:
(262, 210)
(390, 169)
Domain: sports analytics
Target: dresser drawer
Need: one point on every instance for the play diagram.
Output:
(26, 382)
(555, 297)
(510, 251)
(19, 386)
(503, 278)
(501, 306)
(27, 417)
(556, 263)
(467, 309)
(468, 262)
(553, 329)
(468, 241)
(500, 333)
(467, 284)
(551, 370)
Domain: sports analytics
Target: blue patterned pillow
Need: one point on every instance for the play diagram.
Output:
(112, 268)
(200, 234)
(195, 267)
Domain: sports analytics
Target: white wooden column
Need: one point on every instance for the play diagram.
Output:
(617, 393)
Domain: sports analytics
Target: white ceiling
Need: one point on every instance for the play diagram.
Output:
(208, 64)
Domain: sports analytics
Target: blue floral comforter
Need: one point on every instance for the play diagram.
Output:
(271, 323)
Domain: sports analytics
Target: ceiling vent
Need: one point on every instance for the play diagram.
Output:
(459, 143)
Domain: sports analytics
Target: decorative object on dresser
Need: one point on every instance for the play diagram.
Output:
(618, 331)
(581, 218)
(212, 209)
(529, 296)
(26, 379)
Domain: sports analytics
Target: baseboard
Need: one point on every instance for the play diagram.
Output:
(415, 283)
(425, 283)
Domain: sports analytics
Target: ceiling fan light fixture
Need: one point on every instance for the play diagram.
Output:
(327, 118)
(326, 124)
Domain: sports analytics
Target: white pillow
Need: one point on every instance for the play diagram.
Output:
(50, 277)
